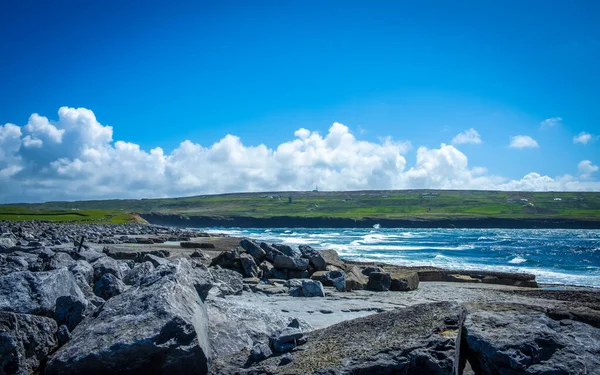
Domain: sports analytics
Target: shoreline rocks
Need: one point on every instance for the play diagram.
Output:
(154, 310)
(158, 327)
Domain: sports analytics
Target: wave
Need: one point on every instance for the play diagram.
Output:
(554, 256)
(517, 260)
(412, 248)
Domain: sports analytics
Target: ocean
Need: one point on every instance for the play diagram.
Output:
(555, 256)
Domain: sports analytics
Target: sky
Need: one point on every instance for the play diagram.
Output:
(139, 99)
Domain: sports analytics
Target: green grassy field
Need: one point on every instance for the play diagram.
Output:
(13, 213)
(424, 204)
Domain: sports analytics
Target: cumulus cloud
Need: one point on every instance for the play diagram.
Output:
(523, 141)
(582, 138)
(468, 136)
(586, 168)
(75, 157)
(551, 122)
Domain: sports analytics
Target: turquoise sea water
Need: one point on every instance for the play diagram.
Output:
(555, 256)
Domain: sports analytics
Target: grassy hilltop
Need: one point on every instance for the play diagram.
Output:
(396, 204)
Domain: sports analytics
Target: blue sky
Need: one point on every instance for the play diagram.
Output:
(160, 73)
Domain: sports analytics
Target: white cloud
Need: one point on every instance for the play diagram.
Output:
(468, 136)
(88, 164)
(582, 138)
(40, 126)
(586, 168)
(551, 122)
(523, 141)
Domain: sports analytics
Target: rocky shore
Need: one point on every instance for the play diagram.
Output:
(137, 298)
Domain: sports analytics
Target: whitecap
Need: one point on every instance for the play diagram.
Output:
(517, 260)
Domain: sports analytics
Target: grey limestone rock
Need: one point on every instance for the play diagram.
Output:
(158, 327)
(106, 265)
(404, 281)
(155, 260)
(108, 286)
(70, 310)
(511, 339)
(260, 351)
(253, 249)
(379, 281)
(249, 265)
(270, 251)
(236, 325)
(315, 258)
(421, 339)
(25, 341)
(36, 292)
(137, 273)
(336, 279)
(289, 263)
(228, 281)
(288, 250)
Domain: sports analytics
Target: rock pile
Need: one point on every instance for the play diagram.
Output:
(64, 311)
(37, 233)
(307, 270)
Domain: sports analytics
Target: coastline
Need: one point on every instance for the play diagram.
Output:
(241, 306)
(179, 221)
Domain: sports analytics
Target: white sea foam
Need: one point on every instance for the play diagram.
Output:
(517, 260)
(444, 248)
(411, 248)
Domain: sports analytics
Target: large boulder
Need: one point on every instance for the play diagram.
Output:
(287, 250)
(235, 325)
(228, 259)
(253, 249)
(332, 258)
(305, 288)
(36, 293)
(228, 281)
(137, 273)
(70, 311)
(368, 270)
(249, 265)
(106, 265)
(158, 327)
(60, 260)
(421, 339)
(42, 262)
(108, 286)
(511, 339)
(355, 280)
(13, 263)
(336, 279)
(314, 257)
(83, 268)
(270, 251)
(25, 342)
(89, 255)
(404, 281)
(288, 263)
(155, 260)
(379, 281)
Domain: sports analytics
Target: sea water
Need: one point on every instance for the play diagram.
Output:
(555, 256)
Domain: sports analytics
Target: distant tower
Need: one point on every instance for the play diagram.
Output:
(316, 188)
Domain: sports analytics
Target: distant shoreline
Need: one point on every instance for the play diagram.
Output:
(333, 222)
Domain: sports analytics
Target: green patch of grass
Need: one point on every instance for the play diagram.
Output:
(65, 216)
(355, 205)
